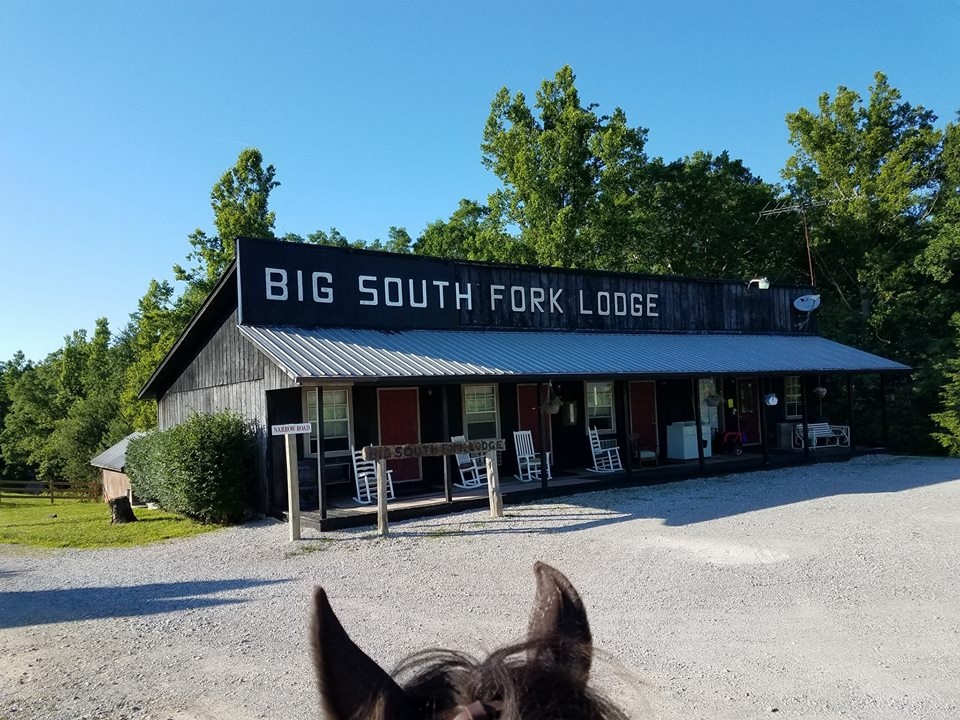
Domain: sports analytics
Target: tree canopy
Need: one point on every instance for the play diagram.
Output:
(875, 183)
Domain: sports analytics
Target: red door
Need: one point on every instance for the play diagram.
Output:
(528, 415)
(400, 425)
(643, 415)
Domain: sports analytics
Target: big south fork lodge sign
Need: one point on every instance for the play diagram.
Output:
(302, 285)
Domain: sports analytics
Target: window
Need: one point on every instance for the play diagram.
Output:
(792, 400)
(336, 420)
(480, 419)
(600, 406)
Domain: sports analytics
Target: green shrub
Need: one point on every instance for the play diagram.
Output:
(201, 468)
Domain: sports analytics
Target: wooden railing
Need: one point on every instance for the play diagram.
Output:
(53, 489)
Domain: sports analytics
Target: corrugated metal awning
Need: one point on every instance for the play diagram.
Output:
(349, 354)
(114, 457)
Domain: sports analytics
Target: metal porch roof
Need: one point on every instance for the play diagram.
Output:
(114, 457)
(352, 354)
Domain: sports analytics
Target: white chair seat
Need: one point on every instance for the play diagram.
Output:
(365, 476)
(528, 459)
(605, 459)
(473, 468)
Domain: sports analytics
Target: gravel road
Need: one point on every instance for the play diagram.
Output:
(827, 591)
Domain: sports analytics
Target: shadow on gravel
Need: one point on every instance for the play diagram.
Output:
(697, 500)
(704, 499)
(41, 607)
(534, 523)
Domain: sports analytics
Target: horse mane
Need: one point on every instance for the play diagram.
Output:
(545, 677)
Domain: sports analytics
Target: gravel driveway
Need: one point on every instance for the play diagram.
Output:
(824, 591)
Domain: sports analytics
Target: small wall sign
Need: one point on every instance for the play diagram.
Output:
(290, 429)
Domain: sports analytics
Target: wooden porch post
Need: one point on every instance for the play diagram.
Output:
(695, 384)
(804, 389)
(445, 421)
(493, 485)
(383, 525)
(883, 410)
(850, 410)
(544, 468)
(321, 461)
(627, 417)
(763, 423)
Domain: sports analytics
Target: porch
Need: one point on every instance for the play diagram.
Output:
(425, 499)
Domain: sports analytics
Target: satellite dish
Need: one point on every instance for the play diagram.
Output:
(807, 303)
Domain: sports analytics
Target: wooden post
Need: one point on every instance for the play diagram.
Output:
(50, 485)
(383, 525)
(883, 411)
(293, 488)
(695, 383)
(321, 458)
(493, 485)
(541, 411)
(764, 410)
(447, 459)
(804, 389)
(627, 424)
(850, 411)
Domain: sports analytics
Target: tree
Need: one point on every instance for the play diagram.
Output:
(12, 467)
(473, 232)
(240, 202)
(940, 262)
(153, 329)
(870, 174)
(702, 220)
(562, 172)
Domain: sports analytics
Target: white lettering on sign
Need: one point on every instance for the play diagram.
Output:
(399, 452)
(605, 303)
(276, 285)
(276, 278)
(290, 429)
(325, 294)
(406, 292)
(523, 299)
(414, 295)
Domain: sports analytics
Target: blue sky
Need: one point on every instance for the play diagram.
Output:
(118, 117)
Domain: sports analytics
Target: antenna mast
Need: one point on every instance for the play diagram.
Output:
(782, 207)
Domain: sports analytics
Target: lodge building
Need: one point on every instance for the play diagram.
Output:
(375, 348)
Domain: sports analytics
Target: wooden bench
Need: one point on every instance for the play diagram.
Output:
(822, 435)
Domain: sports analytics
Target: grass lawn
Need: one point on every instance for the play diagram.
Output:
(28, 520)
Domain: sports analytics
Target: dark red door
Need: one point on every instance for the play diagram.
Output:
(528, 415)
(400, 425)
(643, 414)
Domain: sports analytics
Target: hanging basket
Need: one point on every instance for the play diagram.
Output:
(820, 391)
(551, 405)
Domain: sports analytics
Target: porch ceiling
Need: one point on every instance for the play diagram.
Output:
(351, 354)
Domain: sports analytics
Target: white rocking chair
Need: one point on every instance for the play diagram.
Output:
(365, 474)
(473, 468)
(605, 460)
(528, 459)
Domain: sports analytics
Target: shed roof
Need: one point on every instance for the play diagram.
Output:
(354, 354)
(114, 457)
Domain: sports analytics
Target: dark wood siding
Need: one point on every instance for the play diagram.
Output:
(227, 374)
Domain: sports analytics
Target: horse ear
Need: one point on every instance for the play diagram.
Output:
(558, 624)
(348, 678)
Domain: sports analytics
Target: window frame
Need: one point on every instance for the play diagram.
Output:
(496, 408)
(312, 439)
(587, 386)
(798, 398)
